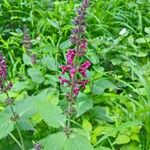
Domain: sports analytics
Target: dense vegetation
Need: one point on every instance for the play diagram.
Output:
(112, 112)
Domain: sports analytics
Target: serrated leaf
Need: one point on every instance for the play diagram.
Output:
(6, 124)
(26, 107)
(35, 75)
(59, 141)
(78, 142)
(51, 114)
(54, 141)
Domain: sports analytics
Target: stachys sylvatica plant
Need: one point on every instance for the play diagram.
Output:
(73, 77)
(14, 117)
(20, 115)
(74, 67)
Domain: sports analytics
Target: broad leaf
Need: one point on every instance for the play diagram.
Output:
(51, 114)
(35, 75)
(54, 142)
(59, 141)
(99, 113)
(78, 142)
(84, 103)
(27, 59)
(102, 84)
(65, 45)
(6, 124)
(50, 63)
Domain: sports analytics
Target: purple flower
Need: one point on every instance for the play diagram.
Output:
(63, 80)
(65, 68)
(83, 83)
(3, 73)
(83, 68)
(3, 68)
(76, 90)
(72, 72)
(70, 56)
(73, 66)
(86, 64)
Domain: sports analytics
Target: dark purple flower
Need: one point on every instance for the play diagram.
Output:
(76, 90)
(3, 68)
(72, 72)
(86, 64)
(83, 83)
(83, 68)
(73, 66)
(70, 56)
(63, 80)
(65, 68)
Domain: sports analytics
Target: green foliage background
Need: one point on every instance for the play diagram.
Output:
(113, 112)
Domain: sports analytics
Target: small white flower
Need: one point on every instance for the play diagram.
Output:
(123, 31)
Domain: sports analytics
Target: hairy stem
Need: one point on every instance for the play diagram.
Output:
(14, 116)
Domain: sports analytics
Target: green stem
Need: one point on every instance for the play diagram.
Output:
(21, 138)
(14, 138)
(14, 115)
(68, 124)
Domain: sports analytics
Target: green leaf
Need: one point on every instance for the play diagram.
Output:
(59, 141)
(102, 84)
(6, 124)
(94, 59)
(54, 141)
(19, 86)
(84, 103)
(35, 75)
(65, 45)
(131, 146)
(50, 63)
(54, 23)
(116, 129)
(25, 107)
(99, 113)
(78, 142)
(87, 125)
(27, 59)
(143, 40)
(51, 114)
(122, 139)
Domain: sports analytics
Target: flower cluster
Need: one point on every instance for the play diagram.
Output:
(77, 71)
(3, 75)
